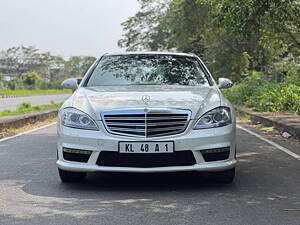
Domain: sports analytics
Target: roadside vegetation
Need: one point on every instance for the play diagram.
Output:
(268, 96)
(26, 68)
(254, 43)
(34, 91)
(27, 107)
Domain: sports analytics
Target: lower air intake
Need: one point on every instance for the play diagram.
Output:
(116, 159)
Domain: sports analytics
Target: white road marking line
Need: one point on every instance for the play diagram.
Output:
(281, 148)
(27, 132)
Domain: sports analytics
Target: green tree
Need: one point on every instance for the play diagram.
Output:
(186, 22)
(17, 60)
(267, 30)
(32, 79)
(232, 36)
(77, 66)
(145, 30)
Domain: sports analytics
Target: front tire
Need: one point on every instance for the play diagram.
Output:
(226, 176)
(68, 177)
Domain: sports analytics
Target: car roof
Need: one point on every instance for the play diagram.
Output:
(150, 53)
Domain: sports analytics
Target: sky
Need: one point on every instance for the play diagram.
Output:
(65, 27)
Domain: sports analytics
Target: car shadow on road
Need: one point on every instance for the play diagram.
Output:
(126, 183)
(141, 182)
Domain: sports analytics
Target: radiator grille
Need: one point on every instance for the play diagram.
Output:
(146, 122)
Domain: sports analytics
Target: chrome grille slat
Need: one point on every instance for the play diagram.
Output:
(166, 123)
(159, 135)
(129, 130)
(146, 122)
(164, 129)
(124, 119)
(142, 119)
(148, 125)
(126, 125)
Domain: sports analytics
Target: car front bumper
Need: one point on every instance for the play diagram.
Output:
(193, 140)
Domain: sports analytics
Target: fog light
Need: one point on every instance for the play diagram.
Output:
(77, 151)
(215, 154)
(216, 150)
(76, 155)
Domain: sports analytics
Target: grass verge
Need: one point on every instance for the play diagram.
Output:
(27, 107)
(34, 92)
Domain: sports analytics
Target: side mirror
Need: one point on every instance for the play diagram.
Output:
(70, 84)
(79, 79)
(225, 83)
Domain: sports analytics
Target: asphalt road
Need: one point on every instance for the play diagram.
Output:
(12, 103)
(266, 190)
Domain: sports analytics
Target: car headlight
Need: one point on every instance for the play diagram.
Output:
(76, 119)
(217, 117)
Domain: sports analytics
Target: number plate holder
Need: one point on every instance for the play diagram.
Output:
(144, 147)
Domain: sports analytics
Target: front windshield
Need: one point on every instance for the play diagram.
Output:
(147, 70)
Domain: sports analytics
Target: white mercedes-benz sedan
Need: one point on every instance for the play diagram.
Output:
(146, 113)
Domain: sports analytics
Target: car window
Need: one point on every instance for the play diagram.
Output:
(148, 70)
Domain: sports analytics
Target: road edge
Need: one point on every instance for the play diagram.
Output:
(258, 118)
(27, 132)
(17, 121)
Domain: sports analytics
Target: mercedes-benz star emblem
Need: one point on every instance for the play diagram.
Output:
(146, 99)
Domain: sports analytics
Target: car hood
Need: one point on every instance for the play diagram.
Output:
(94, 100)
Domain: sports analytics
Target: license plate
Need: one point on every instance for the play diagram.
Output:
(146, 147)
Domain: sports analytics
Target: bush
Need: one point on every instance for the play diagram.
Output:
(24, 105)
(261, 95)
(16, 83)
(32, 80)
